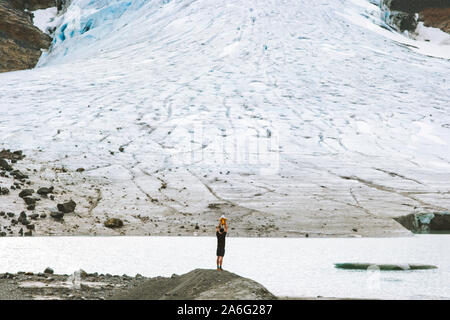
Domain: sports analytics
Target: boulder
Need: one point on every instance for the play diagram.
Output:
(17, 174)
(67, 207)
(57, 215)
(4, 164)
(45, 191)
(26, 193)
(30, 201)
(48, 270)
(34, 216)
(113, 223)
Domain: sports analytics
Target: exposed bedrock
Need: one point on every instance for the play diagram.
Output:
(413, 6)
(20, 41)
(426, 222)
(436, 18)
(405, 14)
(32, 5)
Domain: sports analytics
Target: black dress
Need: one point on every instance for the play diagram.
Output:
(220, 243)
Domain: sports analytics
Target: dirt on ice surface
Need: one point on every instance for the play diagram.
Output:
(98, 199)
(293, 119)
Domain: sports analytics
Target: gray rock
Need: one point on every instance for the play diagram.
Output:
(18, 175)
(57, 215)
(26, 193)
(48, 270)
(30, 201)
(5, 165)
(113, 223)
(34, 216)
(45, 191)
(67, 207)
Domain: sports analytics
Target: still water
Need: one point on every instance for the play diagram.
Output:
(286, 267)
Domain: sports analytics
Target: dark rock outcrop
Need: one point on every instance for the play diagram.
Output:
(404, 21)
(20, 41)
(426, 222)
(402, 14)
(67, 207)
(33, 5)
(113, 223)
(414, 6)
(440, 222)
(436, 18)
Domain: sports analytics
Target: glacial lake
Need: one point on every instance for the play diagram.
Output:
(302, 267)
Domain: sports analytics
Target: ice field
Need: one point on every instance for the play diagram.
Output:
(290, 117)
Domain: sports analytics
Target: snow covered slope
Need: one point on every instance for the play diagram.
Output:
(291, 117)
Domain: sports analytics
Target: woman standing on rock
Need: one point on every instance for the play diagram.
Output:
(221, 232)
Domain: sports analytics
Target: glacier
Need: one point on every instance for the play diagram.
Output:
(291, 117)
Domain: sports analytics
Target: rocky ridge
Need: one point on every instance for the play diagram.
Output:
(21, 43)
(406, 14)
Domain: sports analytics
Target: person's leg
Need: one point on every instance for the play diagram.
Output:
(218, 263)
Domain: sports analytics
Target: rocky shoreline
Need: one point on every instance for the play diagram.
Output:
(47, 285)
(93, 286)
